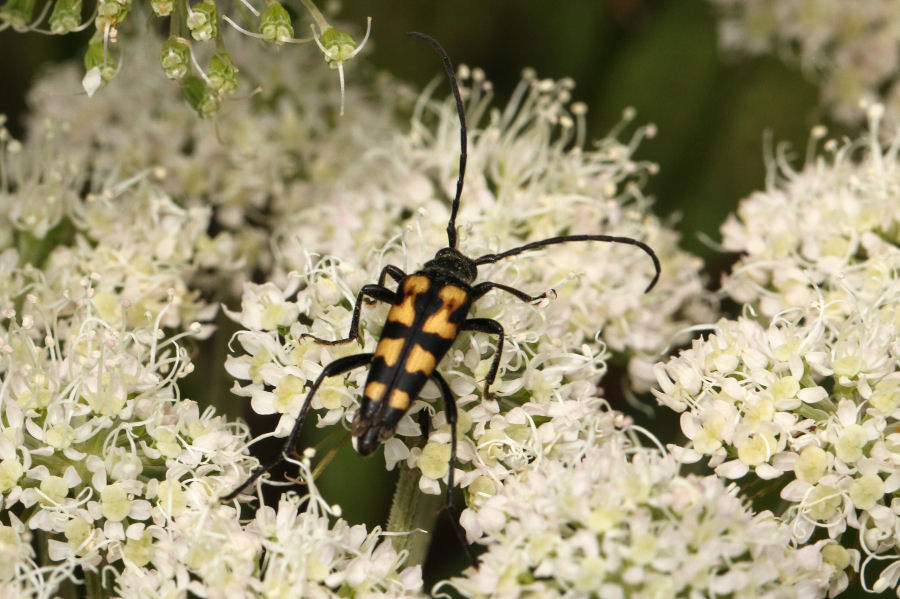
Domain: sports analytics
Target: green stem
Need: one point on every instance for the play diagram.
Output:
(31, 249)
(93, 583)
(413, 512)
(316, 15)
(217, 391)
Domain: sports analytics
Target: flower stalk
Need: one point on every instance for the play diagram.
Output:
(413, 517)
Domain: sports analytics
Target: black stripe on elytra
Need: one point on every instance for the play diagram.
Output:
(396, 330)
(391, 416)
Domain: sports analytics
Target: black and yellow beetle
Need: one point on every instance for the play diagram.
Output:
(428, 311)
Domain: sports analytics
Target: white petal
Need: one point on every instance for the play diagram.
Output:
(812, 394)
(732, 470)
(92, 81)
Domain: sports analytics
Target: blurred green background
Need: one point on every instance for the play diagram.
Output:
(659, 57)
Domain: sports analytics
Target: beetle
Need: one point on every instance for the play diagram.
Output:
(429, 309)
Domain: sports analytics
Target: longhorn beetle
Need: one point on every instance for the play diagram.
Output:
(428, 311)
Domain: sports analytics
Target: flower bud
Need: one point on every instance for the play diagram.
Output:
(337, 46)
(175, 57)
(162, 8)
(200, 97)
(275, 24)
(222, 74)
(202, 21)
(17, 13)
(111, 12)
(66, 16)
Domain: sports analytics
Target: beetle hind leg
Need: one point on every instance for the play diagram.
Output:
(452, 420)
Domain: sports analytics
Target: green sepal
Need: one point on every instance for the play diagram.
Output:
(111, 12)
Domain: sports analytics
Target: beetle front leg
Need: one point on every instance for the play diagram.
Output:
(390, 270)
(377, 293)
(394, 272)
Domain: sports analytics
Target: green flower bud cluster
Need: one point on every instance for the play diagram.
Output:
(190, 22)
(203, 93)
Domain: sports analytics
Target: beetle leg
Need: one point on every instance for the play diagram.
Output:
(452, 419)
(490, 326)
(424, 418)
(394, 271)
(339, 366)
(378, 293)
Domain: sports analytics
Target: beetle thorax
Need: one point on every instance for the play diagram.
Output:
(454, 263)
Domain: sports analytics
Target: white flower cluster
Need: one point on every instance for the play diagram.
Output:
(850, 47)
(96, 439)
(20, 573)
(118, 234)
(93, 425)
(105, 468)
(824, 238)
(300, 549)
(620, 521)
(526, 181)
(272, 154)
(809, 394)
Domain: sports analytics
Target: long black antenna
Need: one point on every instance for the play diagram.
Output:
(491, 258)
(448, 66)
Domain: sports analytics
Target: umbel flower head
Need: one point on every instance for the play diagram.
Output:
(107, 473)
(620, 521)
(803, 389)
(94, 426)
(270, 155)
(301, 548)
